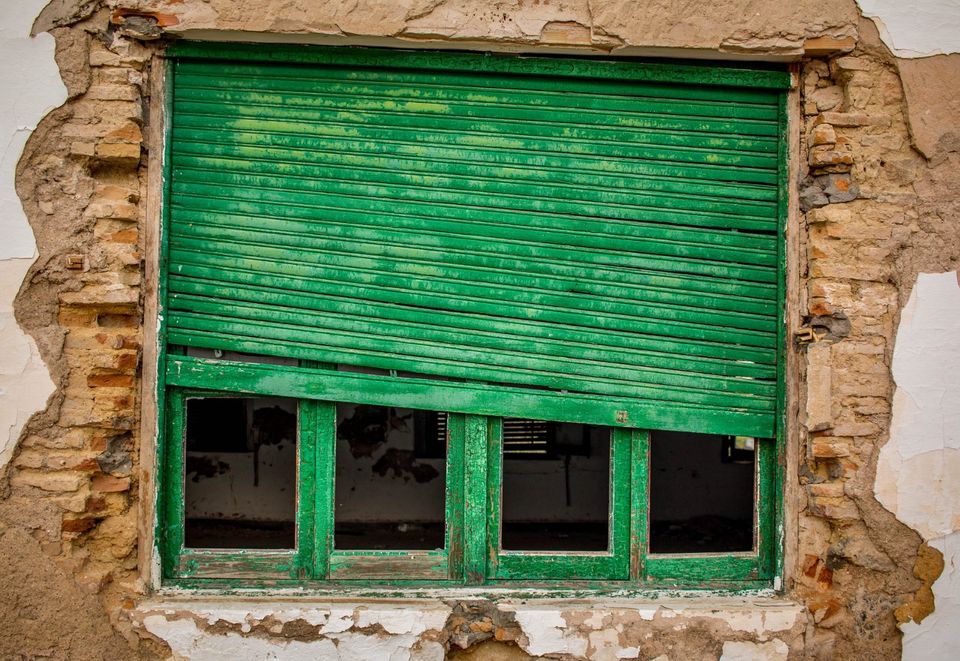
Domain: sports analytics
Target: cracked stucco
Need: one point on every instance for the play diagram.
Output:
(26, 65)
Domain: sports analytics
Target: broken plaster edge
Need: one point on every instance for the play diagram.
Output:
(25, 382)
(334, 628)
(698, 605)
(496, 46)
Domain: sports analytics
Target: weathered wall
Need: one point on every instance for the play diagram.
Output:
(877, 179)
(26, 65)
(916, 467)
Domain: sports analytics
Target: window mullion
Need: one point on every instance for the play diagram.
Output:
(324, 437)
(639, 500)
(475, 504)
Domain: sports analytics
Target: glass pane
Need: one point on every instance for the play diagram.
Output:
(390, 478)
(555, 487)
(241, 472)
(702, 490)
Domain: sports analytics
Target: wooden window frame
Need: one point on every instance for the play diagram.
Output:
(471, 554)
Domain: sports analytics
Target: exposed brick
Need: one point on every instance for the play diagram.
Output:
(110, 380)
(851, 119)
(62, 482)
(29, 459)
(128, 133)
(118, 153)
(112, 93)
(819, 403)
(109, 296)
(838, 510)
(95, 504)
(821, 46)
(850, 63)
(70, 462)
(113, 320)
(79, 525)
(826, 490)
(823, 134)
(826, 155)
(114, 193)
(829, 449)
(83, 148)
(827, 98)
(115, 209)
(125, 236)
(110, 484)
(856, 429)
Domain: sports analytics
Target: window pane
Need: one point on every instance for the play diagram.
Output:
(701, 493)
(390, 478)
(555, 493)
(241, 472)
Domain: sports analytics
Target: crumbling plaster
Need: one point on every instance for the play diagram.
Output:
(730, 629)
(918, 467)
(28, 67)
(916, 28)
(730, 27)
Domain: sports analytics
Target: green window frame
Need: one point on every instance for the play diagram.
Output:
(471, 555)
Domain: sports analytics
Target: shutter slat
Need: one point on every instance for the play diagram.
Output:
(533, 259)
(502, 194)
(713, 357)
(198, 113)
(394, 79)
(535, 224)
(735, 262)
(488, 335)
(604, 236)
(470, 349)
(424, 276)
(206, 332)
(499, 137)
(439, 295)
(450, 99)
(361, 164)
(493, 157)
(511, 271)
(581, 250)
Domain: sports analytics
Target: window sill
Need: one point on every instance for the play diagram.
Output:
(380, 628)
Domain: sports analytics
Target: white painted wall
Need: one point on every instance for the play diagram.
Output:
(916, 28)
(918, 471)
(32, 87)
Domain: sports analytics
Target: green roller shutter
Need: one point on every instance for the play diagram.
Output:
(607, 231)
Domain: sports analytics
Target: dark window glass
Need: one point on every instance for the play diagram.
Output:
(701, 493)
(390, 479)
(241, 472)
(555, 487)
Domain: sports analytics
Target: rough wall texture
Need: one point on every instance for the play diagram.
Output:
(878, 174)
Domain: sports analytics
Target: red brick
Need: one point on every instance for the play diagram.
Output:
(78, 525)
(110, 380)
(110, 484)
